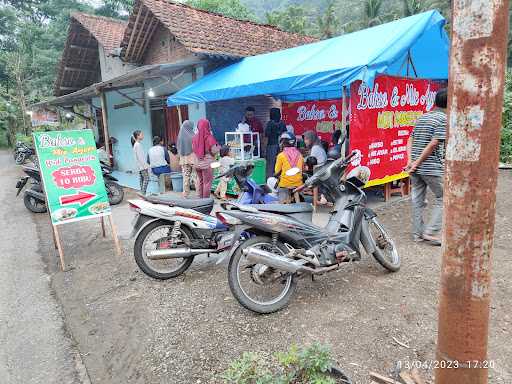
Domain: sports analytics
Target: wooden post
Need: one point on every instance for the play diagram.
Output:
(114, 235)
(59, 247)
(103, 226)
(180, 119)
(104, 115)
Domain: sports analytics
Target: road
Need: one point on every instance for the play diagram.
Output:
(35, 345)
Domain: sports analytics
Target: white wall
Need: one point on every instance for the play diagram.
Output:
(112, 66)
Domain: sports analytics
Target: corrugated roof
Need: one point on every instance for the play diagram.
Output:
(206, 32)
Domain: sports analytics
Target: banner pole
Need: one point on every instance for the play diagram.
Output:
(59, 247)
(103, 226)
(114, 235)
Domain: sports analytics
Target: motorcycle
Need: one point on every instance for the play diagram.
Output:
(22, 153)
(280, 243)
(114, 191)
(170, 232)
(35, 200)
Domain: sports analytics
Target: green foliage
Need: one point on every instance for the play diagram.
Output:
(230, 8)
(506, 133)
(292, 19)
(329, 23)
(296, 366)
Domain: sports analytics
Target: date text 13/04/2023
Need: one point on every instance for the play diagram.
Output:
(447, 364)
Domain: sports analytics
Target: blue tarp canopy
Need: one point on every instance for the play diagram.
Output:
(319, 70)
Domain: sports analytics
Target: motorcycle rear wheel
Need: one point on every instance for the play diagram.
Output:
(33, 204)
(386, 252)
(178, 267)
(115, 192)
(236, 272)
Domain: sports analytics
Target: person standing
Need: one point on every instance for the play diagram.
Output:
(289, 158)
(253, 122)
(140, 160)
(174, 158)
(226, 162)
(275, 128)
(315, 147)
(426, 150)
(186, 154)
(204, 146)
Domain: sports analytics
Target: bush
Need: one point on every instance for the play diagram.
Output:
(23, 138)
(309, 365)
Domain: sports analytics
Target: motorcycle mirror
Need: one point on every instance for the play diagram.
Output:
(215, 165)
(292, 171)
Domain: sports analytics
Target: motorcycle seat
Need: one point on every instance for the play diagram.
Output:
(183, 203)
(284, 208)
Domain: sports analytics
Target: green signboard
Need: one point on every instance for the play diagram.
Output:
(71, 175)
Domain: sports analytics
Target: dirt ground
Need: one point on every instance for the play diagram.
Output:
(132, 329)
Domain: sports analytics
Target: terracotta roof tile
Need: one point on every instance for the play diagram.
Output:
(210, 33)
(109, 32)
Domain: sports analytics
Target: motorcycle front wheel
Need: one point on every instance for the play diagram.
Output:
(115, 192)
(257, 287)
(33, 204)
(155, 236)
(20, 158)
(386, 252)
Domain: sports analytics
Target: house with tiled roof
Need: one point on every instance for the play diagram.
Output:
(194, 31)
(88, 55)
(124, 71)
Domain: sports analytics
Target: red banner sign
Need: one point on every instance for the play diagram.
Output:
(75, 177)
(382, 120)
(324, 117)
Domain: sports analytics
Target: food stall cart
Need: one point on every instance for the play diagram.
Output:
(245, 148)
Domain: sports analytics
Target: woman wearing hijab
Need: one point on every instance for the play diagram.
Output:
(204, 146)
(316, 149)
(275, 127)
(289, 158)
(187, 158)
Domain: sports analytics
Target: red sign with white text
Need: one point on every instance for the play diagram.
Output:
(76, 176)
(382, 120)
(323, 116)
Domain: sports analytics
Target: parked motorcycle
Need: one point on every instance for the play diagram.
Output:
(114, 191)
(34, 198)
(283, 243)
(170, 232)
(22, 153)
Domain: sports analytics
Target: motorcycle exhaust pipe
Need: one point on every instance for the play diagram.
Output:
(258, 256)
(178, 253)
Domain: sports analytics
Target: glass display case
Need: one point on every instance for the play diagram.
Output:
(245, 146)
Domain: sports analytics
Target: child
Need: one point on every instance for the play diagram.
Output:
(226, 161)
(289, 158)
(174, 158)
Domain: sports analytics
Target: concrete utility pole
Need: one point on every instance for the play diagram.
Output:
(477, 69)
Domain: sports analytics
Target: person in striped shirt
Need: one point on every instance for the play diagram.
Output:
(426, 150)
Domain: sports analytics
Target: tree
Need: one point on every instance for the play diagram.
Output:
(292, 19)
(329, 22)
(372, 9)
(230, 8)
(115, 8)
